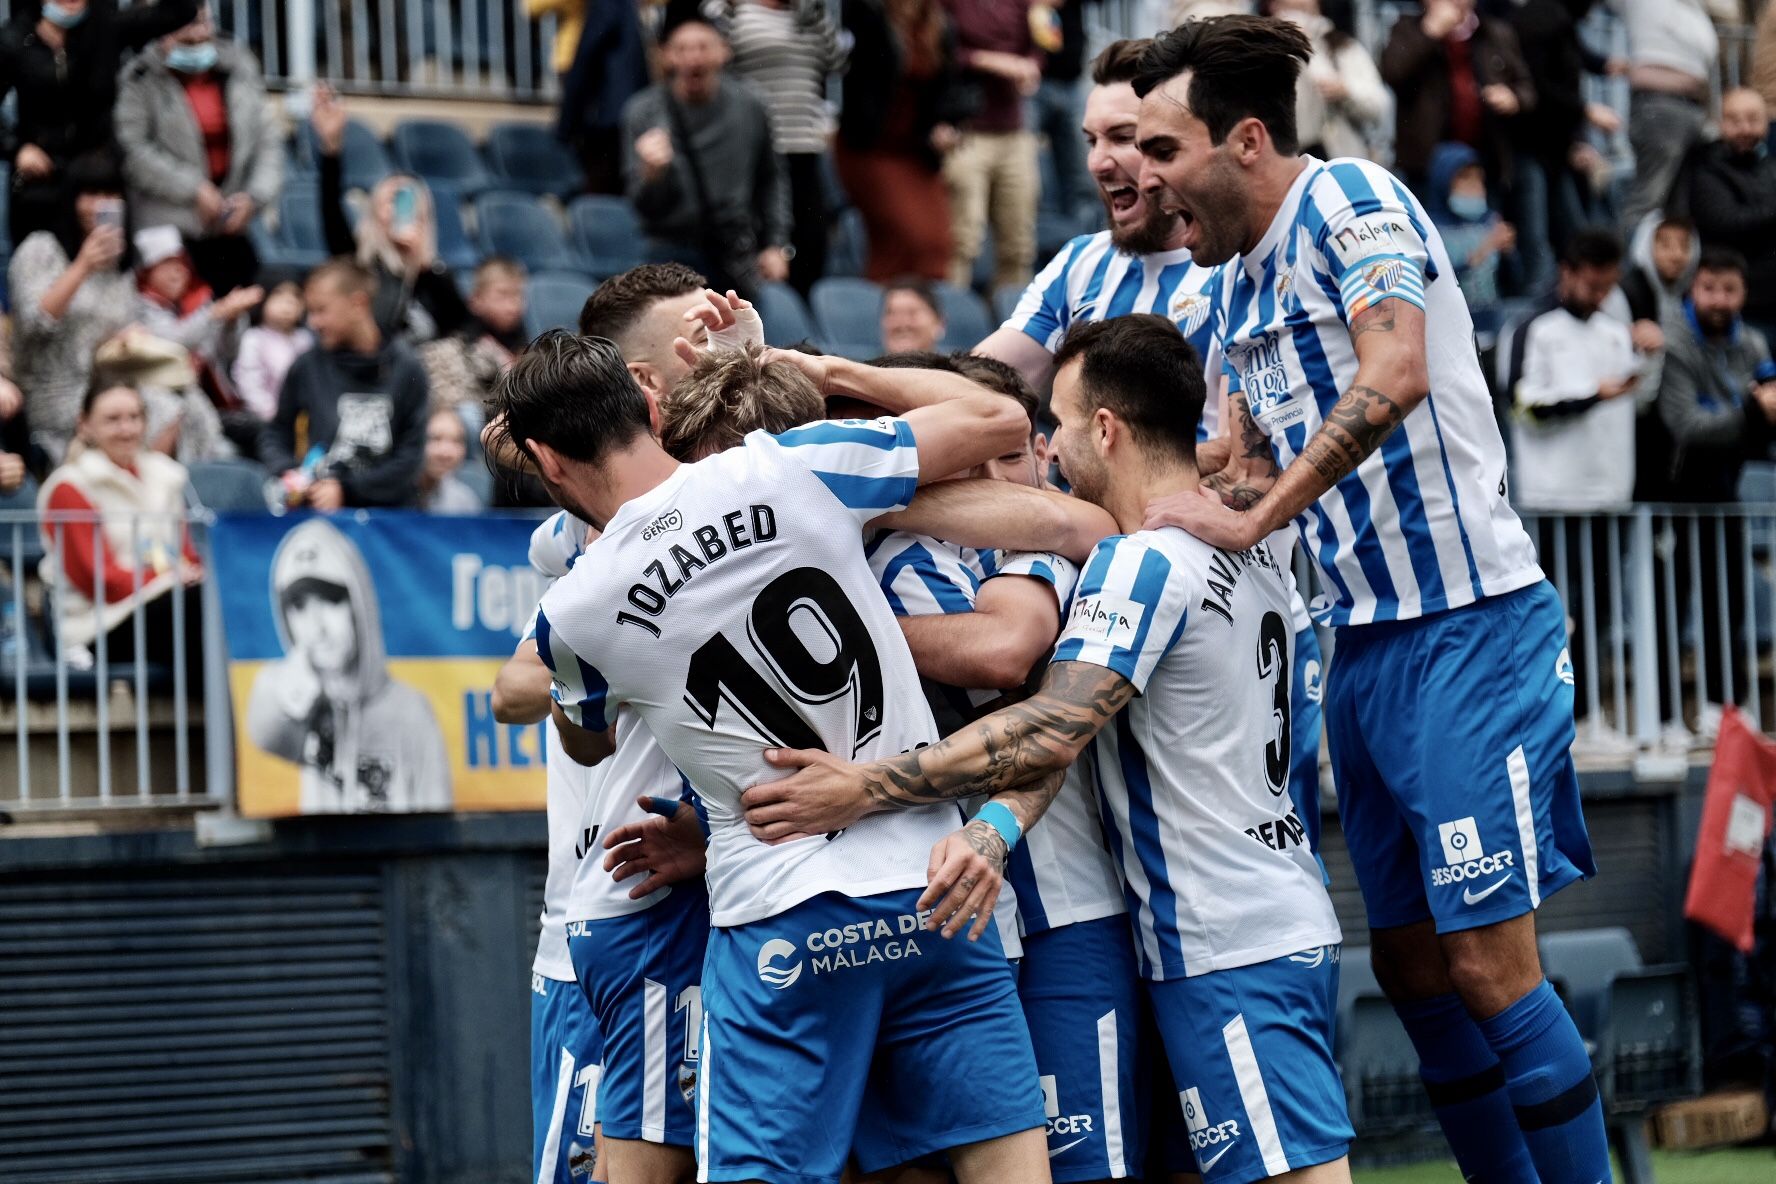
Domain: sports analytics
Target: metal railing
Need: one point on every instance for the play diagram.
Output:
(469, 49)
(50, 685)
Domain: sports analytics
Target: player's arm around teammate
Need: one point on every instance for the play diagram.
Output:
(521, 688)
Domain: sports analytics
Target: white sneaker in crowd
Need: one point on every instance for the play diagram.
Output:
(1708, 722)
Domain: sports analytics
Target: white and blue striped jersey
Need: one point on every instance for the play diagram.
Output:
(1423, 523)
(1090, 280)
(1194, 772)
(556, 543)
(732, 609)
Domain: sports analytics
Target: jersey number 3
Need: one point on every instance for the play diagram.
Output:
(805, 631)
(1273, 659)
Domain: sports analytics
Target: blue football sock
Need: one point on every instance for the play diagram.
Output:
(1467, 1089)
(1548, 1074)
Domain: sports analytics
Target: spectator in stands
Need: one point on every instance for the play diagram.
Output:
(1340, 95)
(201, 152)
(992, 171)
(700, 168)
(1550, 194)
(16, 450)
(1672, 49)
(608, 66)
(1661, 262)
(270, 348)
(912, 319)
(463, 367)
(441, 491)
(138, 549)
(1478, 240)
(1717, 396)
(1059, 106)
(1457, 76)
(786, 49)
(1763, 60)
(364, 396)
(903, 99)
(396, 239)
(71, 290)
(61, 58)
(179, 307)
(1733, 199)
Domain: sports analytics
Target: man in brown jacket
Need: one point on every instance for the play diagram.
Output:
(1458, 77)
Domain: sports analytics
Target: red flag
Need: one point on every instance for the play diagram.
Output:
(1736, 819)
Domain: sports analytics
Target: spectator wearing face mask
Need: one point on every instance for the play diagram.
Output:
(1733, 199)
(441, 491)
(1479, 241)
(200, 151)
(61, 57)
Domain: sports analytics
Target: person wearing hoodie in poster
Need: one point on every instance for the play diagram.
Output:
(365, 743)
(365, 398)
(1480, 242)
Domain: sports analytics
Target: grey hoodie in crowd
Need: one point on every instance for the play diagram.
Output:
(365, 742)
(368, 411)
(164, 161)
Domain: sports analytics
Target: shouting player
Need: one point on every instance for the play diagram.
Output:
(1362, 415)
(728, 603)
(1175, 659)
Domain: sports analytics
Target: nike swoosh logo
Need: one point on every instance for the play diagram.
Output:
(1469, 896)
(1203, 1165)
(1058, 1150)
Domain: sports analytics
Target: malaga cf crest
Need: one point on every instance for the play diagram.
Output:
(1190, 311)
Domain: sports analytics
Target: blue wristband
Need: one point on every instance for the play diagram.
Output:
(999, 816)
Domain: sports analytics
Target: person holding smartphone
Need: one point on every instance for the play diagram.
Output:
(71, 291)
(417, 298)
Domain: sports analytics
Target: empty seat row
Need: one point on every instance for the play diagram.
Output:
(525, 157)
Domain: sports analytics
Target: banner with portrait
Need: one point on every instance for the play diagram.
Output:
(362, 653)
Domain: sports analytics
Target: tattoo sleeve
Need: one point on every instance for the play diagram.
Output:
(1355, 427)
(1016, 748)
(1253, 468)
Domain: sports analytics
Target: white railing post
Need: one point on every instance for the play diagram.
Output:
(1644, 652)
(299, 44)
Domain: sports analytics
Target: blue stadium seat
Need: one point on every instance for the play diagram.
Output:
(607, 233)
(439, 151)
(787, 320)
(365, 161)
(555, 299)
(516, 225)
(1005, 302)
(849, 313)
(454, 246)
(228, 485)
(299, 240)
(966, 319)
(849, 246)
(527, 157)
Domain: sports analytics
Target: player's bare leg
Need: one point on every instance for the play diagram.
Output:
(635, 1161)
(1495, 965)
(600, 1156)
(1012, 1159)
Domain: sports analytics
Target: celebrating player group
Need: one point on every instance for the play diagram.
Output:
(913, 820)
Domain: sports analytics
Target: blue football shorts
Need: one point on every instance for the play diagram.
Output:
(566, 1057)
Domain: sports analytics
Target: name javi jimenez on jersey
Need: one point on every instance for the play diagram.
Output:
(736, 532)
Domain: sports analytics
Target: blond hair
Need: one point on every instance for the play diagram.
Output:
(731, 393)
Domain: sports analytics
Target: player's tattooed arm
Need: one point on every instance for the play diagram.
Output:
(1251, 467)
(1016, 748)
(1355, 427)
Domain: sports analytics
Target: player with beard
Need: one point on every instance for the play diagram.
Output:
(1362, 416)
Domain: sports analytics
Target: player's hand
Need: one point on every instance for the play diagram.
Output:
(963, 878)
(666, 848)
(326, 495)
(826, 795)
(1201, 512)
(819, 370)
(731, 321)
(1212, 455)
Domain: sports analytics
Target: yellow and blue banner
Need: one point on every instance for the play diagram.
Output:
(362, 651)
